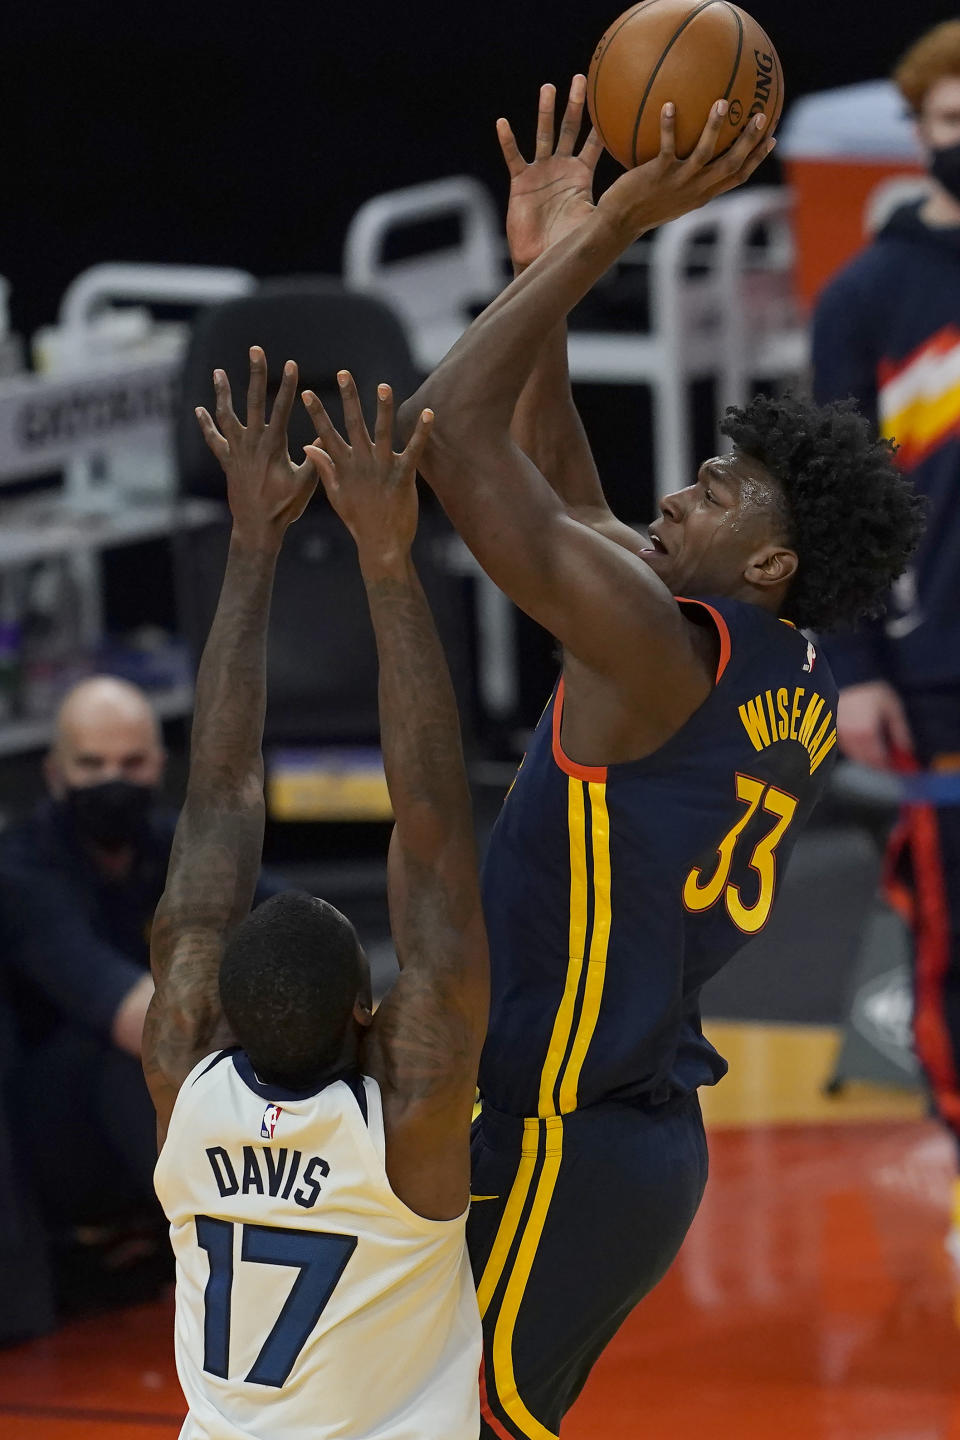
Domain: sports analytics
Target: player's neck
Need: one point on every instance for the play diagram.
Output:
(349, 1056)
(766, 597)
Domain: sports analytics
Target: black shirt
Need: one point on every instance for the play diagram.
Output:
(73, 940)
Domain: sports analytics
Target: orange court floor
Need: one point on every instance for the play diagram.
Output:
(813, 1299)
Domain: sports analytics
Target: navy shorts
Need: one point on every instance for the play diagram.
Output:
(573, 1220)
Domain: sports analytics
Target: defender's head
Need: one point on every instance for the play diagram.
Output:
(295, 989)
(807, 516)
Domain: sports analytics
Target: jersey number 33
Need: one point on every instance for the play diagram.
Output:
(702, 892)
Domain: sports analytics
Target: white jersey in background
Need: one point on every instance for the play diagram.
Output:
(311, 1302)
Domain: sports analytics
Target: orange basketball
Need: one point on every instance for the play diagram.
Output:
(692, 52)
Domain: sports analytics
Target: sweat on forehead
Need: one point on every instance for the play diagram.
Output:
(759, 490)
(751, 482)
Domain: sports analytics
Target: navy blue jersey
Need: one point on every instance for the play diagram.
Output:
(612, 893)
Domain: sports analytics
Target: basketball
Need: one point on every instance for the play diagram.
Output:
(693, 52)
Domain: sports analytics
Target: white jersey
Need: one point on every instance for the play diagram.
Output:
(310, 1300)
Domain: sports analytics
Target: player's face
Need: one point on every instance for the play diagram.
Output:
(710, 533)
(939, 121)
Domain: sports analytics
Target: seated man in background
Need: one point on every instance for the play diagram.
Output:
(79, 883)
(887, 331)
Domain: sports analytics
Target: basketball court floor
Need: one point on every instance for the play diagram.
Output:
(813, 1299)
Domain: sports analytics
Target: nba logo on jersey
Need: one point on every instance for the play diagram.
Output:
(269, 1122)
(811, 658)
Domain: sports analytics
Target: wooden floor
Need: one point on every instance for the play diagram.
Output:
(813, 1299)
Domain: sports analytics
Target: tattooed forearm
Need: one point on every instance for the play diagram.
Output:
(219, 837)
(225, 759)
(419, 723)
(425, 1036)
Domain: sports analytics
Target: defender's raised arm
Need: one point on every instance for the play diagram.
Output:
(425, 1041)
(219, 837)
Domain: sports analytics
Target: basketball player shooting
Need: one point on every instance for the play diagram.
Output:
(316, 1172)
(682, 751)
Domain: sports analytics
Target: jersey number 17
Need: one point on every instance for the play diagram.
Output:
(319, 1256)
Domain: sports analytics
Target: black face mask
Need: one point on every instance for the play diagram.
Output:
(112, 814)
(945, 168)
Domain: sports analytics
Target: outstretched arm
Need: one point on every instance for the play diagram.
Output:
(219, 837)
(550, 196)
(425, 1041)
(605, 606)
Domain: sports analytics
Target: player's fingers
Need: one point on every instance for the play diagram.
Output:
(508, 144)
(212, 435)
(327, 433)
(306, 475)
(732, 170)
(226, 417)
(357, 432)
(572, 116)
(706, 146)
(257, 388)
(323, 468)
(668, 131)
(383, 429)
(754, 160)
(418, 440)
(750, 145)
(283, 405)
(591, 151)
(548, 95)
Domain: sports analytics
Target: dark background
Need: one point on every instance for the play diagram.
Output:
(247, 134)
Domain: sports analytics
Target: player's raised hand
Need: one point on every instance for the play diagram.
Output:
(266, 491)
(667, 187)
(372, 488)
(551, 194)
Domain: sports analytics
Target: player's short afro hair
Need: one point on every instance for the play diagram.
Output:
(289, 977)
(852, 517)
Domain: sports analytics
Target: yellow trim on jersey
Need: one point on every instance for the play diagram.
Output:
(507, 1393)
(510, 1219)
(554, 1070)
(599, 944)
(562, 1025)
